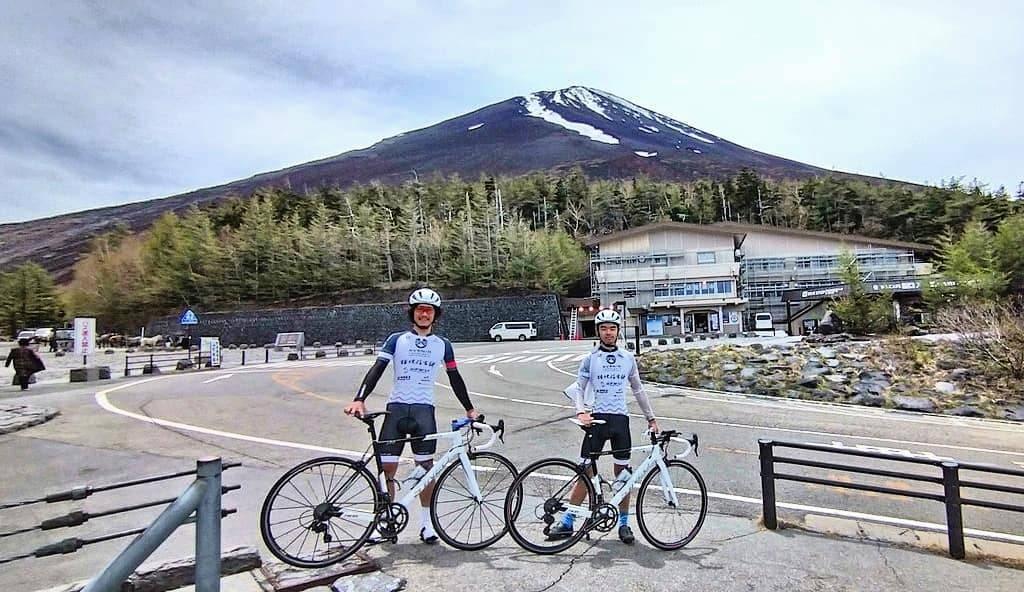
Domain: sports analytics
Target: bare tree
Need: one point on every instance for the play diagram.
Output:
(990, 333)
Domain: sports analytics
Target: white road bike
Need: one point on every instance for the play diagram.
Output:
(325, 509)
(671, 503)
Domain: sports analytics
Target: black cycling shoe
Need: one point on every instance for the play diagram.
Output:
(626, 534)
(430, 540)
(559, 531)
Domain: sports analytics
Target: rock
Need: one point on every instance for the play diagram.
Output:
(756, 347)
(793, 394)
(868, 399)
(730, 367)
(769, 358)
(919, 404)
(343, 353)
(808, 380)
(843, 349)
(812, 369)
(825, 395)
(374, 582)
(832, 363)
(965, 411)
(60, 354)
(734, 388)
(827, 353)
(836, 378)
(946, 388)
(320, 354)
(1015, 414)
(150, 369)
(130, 350)
(946, 364)
(709, 386)
(293, 356)
(959, 374)
(184, 365)
(317, 344)
(869, 388)
(729, 379)
(108, 352)
(749, 372)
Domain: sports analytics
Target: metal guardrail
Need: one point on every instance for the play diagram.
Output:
(146, 361)
(200, 504)
(950, 480)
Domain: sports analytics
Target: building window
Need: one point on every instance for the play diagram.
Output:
(705, 257)
(765, 264)
(724, 287)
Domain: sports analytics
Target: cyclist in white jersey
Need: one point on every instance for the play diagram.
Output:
(607, 371)
(417, 355)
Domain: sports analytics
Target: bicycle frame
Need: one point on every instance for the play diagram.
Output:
(655, 458)
(461, 445)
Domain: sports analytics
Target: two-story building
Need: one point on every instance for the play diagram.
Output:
(678, 278)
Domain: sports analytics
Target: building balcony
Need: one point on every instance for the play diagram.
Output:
(710, 271)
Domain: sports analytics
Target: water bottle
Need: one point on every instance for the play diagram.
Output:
(621, 480)
(458, 424)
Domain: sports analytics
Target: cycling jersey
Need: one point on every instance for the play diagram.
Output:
(607, 373)
(417, 360)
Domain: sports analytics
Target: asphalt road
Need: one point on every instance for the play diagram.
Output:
(271, 417)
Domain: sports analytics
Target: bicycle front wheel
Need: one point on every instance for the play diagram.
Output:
(461, 519)
(672, 505)
(319, 512)
(539, 499)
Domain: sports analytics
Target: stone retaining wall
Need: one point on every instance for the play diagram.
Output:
(463, 320)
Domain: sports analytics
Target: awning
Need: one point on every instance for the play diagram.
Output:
(702, 303)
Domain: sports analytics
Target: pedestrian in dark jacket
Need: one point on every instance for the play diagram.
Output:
(26, 363)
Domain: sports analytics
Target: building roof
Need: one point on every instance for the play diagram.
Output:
(850, 238)
(740, 230)
(665, 225)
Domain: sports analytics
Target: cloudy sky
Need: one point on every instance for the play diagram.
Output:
(115, 101)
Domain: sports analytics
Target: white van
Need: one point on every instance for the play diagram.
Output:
(521, 330)
(763, 322)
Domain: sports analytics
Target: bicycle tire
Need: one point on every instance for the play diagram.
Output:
(649, 497)
(357, 474)
(524, 503)
(490, 488)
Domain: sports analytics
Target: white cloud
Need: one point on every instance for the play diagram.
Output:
(111, 105)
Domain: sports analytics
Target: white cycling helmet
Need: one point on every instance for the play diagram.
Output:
(425, 296)
(607, 316)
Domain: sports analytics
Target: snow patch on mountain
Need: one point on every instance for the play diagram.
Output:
(534, 108)
(645, 154)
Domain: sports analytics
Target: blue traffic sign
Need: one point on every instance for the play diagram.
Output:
(188, 318)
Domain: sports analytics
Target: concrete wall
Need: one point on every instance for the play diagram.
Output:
(463, 320)
(774, 244)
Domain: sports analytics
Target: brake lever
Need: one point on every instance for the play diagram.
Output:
(696, 445)
(501, 430)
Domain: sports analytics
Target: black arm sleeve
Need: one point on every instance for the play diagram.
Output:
(459, 386)
(371, 378)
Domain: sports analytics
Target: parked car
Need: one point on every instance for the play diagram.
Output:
(65, 339)
(763, 322)
(521, 330)
(29, 334)
(44, 335)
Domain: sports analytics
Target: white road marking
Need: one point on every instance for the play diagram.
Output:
(832, 408)
(755, 427)
(563, 358)
(494, 371)
(101, 399)
(222, 377)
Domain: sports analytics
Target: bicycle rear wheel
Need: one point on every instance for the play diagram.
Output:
(319, 512)
(460, 519)
(539, 498)
(666, 523)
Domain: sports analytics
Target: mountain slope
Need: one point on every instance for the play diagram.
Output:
(605, 135)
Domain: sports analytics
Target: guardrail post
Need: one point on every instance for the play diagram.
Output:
(126, 365)
(122, 566)
(767, 456)
(954, 512)
(243, 357)
(266, 356)
(208, 526)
